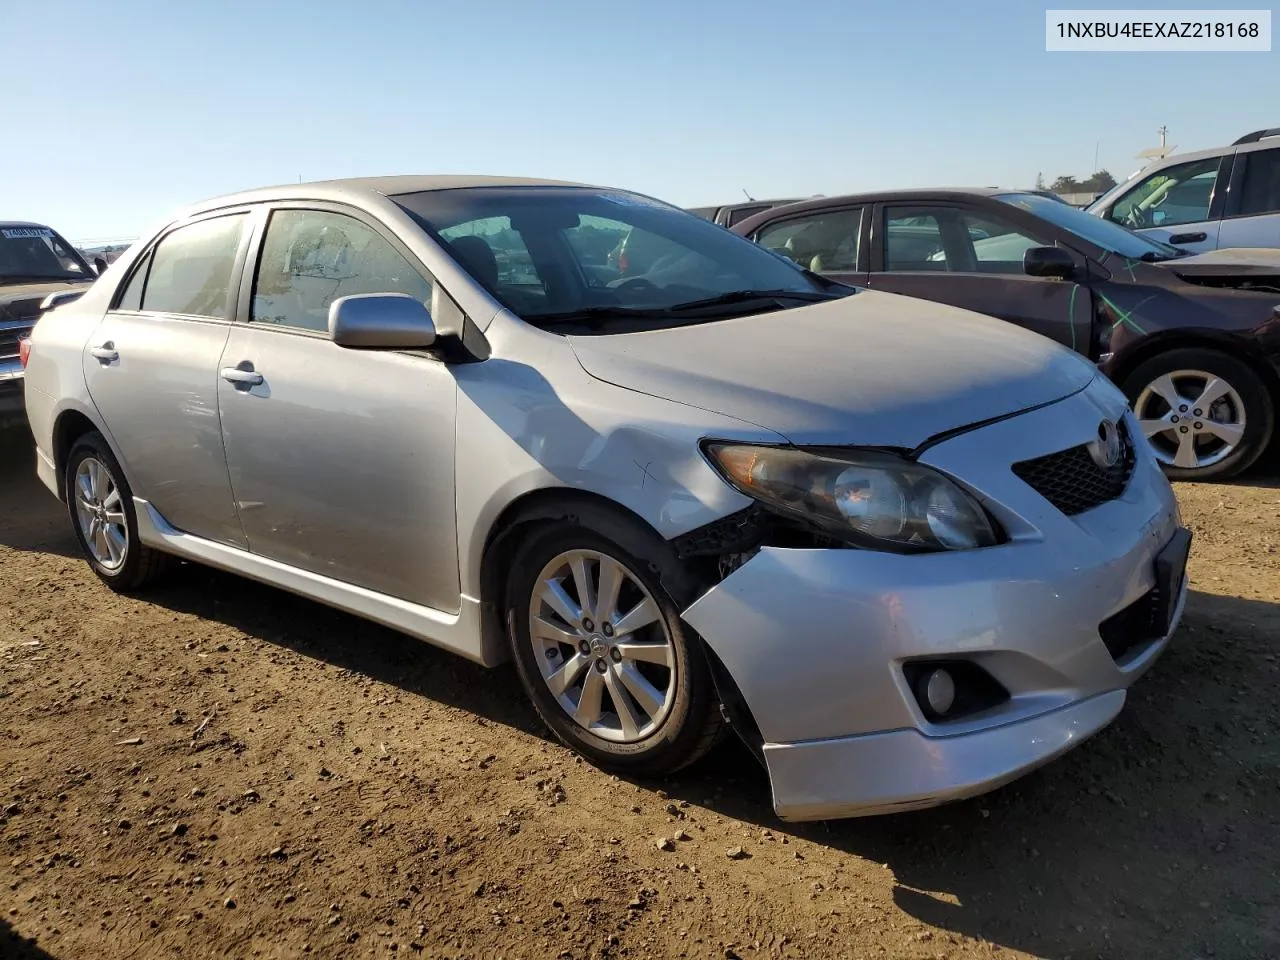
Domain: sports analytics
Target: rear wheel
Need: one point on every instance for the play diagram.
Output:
(604, 657)
(100, 504)
(1207, 415)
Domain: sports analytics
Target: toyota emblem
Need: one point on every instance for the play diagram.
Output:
(1108, 449)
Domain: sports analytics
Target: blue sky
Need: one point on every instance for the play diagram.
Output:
(115, 113)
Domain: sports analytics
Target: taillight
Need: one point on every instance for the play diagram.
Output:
(24, 351)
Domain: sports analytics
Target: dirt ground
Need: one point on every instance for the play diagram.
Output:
(221, 769)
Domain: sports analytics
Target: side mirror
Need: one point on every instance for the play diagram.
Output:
(1051, 262)
(381, 321)
(99, 265)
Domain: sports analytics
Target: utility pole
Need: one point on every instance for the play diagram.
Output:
(1096, 147)
(1160, 152)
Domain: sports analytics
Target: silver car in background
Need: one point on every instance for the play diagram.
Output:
(907, 552)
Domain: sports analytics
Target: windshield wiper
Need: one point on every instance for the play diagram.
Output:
(745, 296)
(592, 313)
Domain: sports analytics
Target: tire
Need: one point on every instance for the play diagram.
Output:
(116, 555)
(689, 722)
(1189, 371)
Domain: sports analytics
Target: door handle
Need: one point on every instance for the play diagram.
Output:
(235, 375)
(1188, 237)
(107, 352)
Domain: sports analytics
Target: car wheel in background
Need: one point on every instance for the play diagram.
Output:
(603, 654)
(102, 514)
(1207, 415)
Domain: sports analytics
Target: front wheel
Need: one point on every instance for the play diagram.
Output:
(603, 655)
(1207, 415)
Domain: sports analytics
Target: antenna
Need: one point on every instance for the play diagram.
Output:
(747, 195)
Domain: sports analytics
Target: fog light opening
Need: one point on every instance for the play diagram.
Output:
(950, 690)
(940, 692)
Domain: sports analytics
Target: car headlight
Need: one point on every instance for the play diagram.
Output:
(867, 498)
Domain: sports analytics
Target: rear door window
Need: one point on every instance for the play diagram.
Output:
(191, 269)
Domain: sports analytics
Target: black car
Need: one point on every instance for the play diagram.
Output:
(1194, 341)
(34, 263)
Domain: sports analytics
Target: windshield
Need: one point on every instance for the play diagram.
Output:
(37, 253)
(566, 255)
(1102, 233)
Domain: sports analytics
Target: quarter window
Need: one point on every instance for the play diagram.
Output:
(820, 242)
(191, 269)
(1175, 195)
(1261, 189)
(310, 258)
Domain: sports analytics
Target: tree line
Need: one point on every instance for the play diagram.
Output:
(1100, 182)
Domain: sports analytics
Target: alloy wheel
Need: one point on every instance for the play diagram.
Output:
(100, 513)
(1192, 419)
(602, 646)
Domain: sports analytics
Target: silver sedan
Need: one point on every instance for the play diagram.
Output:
(905, 551)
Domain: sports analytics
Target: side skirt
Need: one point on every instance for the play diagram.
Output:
(458, 633)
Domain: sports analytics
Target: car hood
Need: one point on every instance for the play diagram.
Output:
(872, 369)
(1245, 263)
(20, 301)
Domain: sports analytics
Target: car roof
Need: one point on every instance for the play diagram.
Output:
(7, 224)
(356, 188)
(881, 196)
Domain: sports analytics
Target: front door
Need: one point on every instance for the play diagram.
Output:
(341, 460)
(151, 367)
(1180, 204)
(972, 259)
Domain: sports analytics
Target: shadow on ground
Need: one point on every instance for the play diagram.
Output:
(31, 518)
(14, 946)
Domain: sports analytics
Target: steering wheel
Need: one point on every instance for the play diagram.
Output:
(633, 285)
(1137, 217)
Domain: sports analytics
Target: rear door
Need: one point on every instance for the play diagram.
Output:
(830, 242)
(1252, 216)
(971, 257)
(151, 367)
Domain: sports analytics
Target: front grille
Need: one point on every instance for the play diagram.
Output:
(1073, 481)
(1135, 626)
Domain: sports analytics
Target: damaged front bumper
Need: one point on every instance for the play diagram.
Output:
(816, 640)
